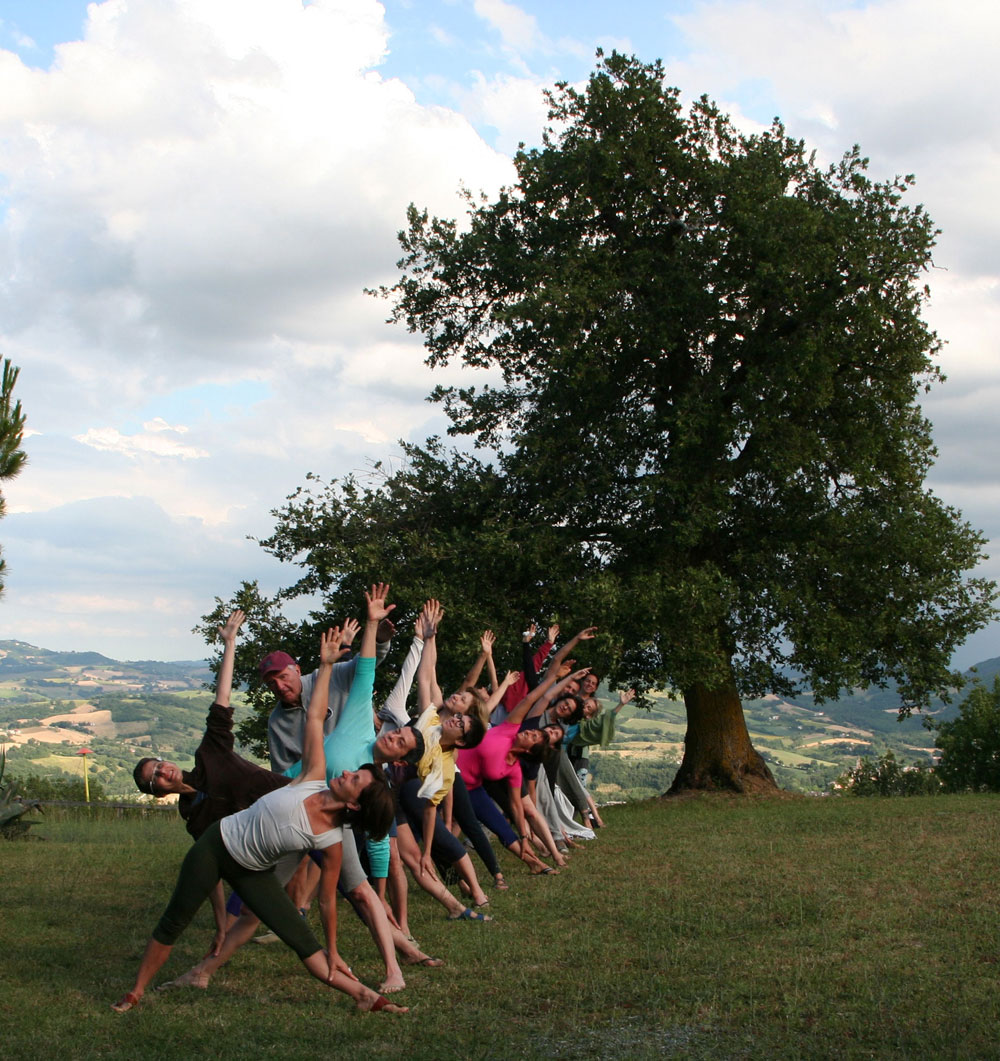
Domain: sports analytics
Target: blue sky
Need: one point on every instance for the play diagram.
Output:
(194, 194)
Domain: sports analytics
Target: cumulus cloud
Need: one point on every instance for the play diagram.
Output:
(194, 195)
(153, 440)
(517, 28)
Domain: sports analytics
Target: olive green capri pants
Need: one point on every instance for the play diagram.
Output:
(204, 866)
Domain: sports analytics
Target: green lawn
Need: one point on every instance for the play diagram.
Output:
(710, 927)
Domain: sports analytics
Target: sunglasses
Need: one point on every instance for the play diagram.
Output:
(153, 775)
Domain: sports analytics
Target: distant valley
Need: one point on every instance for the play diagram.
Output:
(52, 704)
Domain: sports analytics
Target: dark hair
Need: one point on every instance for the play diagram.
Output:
(376, 808)
(539, 752)
(416, 753)
(557, 743)
(577, 709)
(474, 734)
(141, 783)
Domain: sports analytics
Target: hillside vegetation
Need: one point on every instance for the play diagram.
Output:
(52, 704)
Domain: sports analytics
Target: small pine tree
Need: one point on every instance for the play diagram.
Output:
(12, 457)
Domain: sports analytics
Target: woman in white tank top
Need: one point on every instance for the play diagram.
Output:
(244, 848)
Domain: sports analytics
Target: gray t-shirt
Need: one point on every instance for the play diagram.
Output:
(286, 725)
(276, 825)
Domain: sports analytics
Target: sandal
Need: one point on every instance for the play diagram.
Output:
(469, 915)
(500, 884)
(381, 1002)
(545, 871)
(126, 1002)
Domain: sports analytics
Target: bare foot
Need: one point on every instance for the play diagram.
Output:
(372, 1003)
(192, 978)
(392, 984)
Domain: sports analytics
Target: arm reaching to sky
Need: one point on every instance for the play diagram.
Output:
(427, 625)
(224, 682)
(395, 703)
(313, 757)
(520, 712)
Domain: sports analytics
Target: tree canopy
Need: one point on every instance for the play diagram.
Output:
(970, 743)
(700, 422)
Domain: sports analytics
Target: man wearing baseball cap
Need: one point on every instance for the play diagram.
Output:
(283, 676)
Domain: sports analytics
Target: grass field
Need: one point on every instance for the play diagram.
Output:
(711, 927)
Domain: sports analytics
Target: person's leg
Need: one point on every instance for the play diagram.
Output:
(445, 848)
(463, 813)
(569, 783)
(364, 997)
(199, 874)
(540, 827)
(201, 974)
(398, 889)
(410, 854)
(492, 817)
(467, 872)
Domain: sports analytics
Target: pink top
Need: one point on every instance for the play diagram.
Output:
(488, 760)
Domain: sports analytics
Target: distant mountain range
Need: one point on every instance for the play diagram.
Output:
(52, 703)
(20, 658)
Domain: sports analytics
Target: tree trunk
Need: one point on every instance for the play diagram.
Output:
(717, 749)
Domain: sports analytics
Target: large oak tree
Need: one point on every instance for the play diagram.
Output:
(706, 355)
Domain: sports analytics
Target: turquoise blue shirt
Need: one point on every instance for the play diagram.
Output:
(352, 744)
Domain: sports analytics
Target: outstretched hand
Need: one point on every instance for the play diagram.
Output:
(349, 631)
(232, 625)
(329, 645)
(587, 634)
(486, 641)
(529, 632)
(376, 600)
(626, 697)
(553, 633)
(336, 964)
(430, 618)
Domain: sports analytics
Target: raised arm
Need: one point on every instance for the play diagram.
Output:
(377, 611)
(553, 691)
(472, 678)
(313, 757)
(520, 712)
(224, 683)
(624, 698)
(395, 703)
(497, 695)
(427, 626)
(487, 641)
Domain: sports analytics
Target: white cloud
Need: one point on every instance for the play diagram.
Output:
(194, 195)
(518, 30)
(151, 442)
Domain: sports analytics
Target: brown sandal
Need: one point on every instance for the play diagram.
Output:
(126, 1002)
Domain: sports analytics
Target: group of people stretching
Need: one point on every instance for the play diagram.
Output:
(356, 795)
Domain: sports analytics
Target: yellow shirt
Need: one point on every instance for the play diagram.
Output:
(436, 768)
